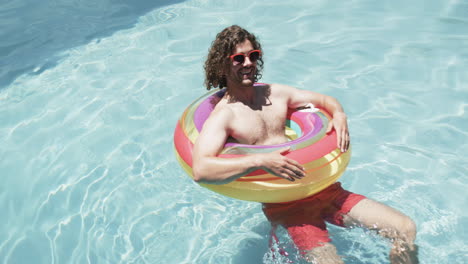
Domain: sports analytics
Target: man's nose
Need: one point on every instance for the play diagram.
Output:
(247, 62)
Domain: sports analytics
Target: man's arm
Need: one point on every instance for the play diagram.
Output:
(339, 122)
(208, 168)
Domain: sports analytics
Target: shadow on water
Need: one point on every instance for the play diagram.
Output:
(34, 33)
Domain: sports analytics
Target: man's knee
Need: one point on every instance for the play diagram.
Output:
(402, 229)
(406, 230)
(404, 250)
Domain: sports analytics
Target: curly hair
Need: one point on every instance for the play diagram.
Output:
(221, 48)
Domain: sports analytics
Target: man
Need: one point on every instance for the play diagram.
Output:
(256, 115)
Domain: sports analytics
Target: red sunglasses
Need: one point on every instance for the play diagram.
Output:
(239, 58)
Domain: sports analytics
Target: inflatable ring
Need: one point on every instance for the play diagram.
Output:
(309, 145)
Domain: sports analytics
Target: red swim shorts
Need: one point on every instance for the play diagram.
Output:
(305, 219)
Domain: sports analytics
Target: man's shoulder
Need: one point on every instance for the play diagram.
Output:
(280, 89)
(278, 86)
(222, 110)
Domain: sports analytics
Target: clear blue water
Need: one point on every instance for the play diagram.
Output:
(90, 92)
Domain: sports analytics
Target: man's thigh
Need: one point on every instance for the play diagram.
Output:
(376, 216)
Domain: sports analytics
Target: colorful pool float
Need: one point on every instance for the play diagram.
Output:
(309, 145)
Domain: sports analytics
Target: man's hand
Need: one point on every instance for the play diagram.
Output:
(279, 165)
(339, 122)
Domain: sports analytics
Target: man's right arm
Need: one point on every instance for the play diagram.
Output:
(208, 168)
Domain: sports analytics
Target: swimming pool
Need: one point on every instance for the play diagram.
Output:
(91, 91)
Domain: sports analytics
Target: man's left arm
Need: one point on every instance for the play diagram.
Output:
(298, 98)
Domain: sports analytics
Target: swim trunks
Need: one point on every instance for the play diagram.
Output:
(305, 219)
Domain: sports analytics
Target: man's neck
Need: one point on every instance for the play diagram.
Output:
(239, 93)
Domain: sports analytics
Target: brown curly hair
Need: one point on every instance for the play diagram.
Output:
(221, 48)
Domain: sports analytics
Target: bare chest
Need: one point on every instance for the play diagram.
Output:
(259, 127)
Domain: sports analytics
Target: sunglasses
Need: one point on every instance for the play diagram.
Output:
(239, 58)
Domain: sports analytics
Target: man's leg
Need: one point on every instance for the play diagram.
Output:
(389, 223)
(313, 242)
(323, 254)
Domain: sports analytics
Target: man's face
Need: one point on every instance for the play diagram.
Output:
(242, 73)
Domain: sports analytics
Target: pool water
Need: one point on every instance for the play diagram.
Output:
(91, 92)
